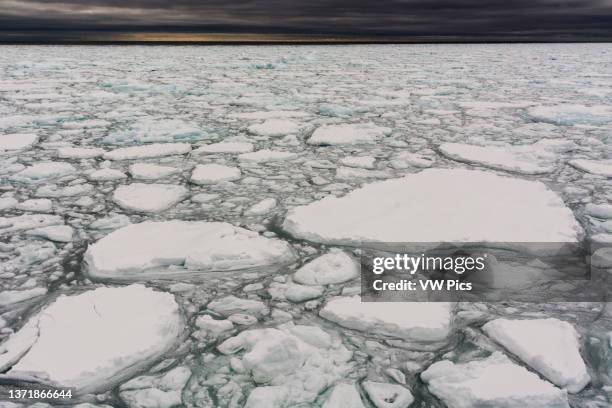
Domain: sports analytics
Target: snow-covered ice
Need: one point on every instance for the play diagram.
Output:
(130, 253)
(17, 141)
(44, 171)
(225, 147)
(333, 267)
(275, 127)
(62, 343)
(150, 198)
(354, 133)
(214, 173)
(148, 171)
(148, 151)
(550, 346)
(599, 167)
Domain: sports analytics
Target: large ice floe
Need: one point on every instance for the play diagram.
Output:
(412, 321)
(348, 134)
(550, 346)
(491, 382)
(149, 198)
(95, 339)
(174, 249)
(438, 205)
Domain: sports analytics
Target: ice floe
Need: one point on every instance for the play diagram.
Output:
(44, 171)
(275, 127)
(414, 321)
(599, 167)
(61, 344)
(214, 173)
(572, 114)
(150, 130)
(494, 381)
(333, 267)
(106, 175)
(148, 171)
(438, 205)
(148, 151)
(384, 395)
(79, 152)
(150, 198)
(182, 248)
(265, 155)
(225, 147)
(550, 346)
(17, 141)
(354, 133)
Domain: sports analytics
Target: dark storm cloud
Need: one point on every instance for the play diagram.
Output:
(460, 19)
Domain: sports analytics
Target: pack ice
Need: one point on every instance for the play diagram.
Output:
(180, 249)
(62, 344)
(353, 133)
(438, 205)
(150, 198)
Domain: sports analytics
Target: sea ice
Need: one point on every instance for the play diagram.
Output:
(150, 130)
(599, 167)
(44, 171)
(265, 155)
(550, 346)
(156, 391)
(492, 382)
(333, 267)
(263, 207)
(385, 395)
(415, 321)
(188, 248)
(79, 152)
(148, 151)
(572, 114)
(438, 205)
(17, 141)
(344, 396)
(353, 133)
(214, 173)
(225, 147)
(364, 162)
(36, 205)
(274, 127)
(150, 198)
(56, 233)
(63, 343)
(148, 171)
(106, 175)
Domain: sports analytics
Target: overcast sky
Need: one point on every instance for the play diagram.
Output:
(479, 20)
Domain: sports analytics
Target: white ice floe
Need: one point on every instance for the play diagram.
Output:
(6, 203)
(8, 225)
(9, 297)
(79, 152)
(301, 293)
(414, 321)
(61, 344)
(364, 162)
(263, 207)
(225, 147)
(152, 130)
(274, 127)
(572, 114)
(550, 346)
(333, 267)
(353, 133)
(112, 222)
(56, 233)
(230, 305)
(351, 173)
(182, 248)
(599, 167)
(492, 382)
(148, 171)
(525, 159)
(438, 205)
(265, 155)
(301, 361)
(17, 141)
(156, 391)
(268, 115)
(384, 395)
(149, 198)
(344, 396)
(214, 173)
(44, 171)
(148, 151)
(36, 205)
(107, 175)
(603, 211)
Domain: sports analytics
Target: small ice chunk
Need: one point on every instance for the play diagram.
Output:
(417, 321)
(603, 211)
(113, 222)
(263, 207)
(265, 155)
(331, 268)
(6, 203)
(301, 293)
(107, 175)
(148, 151)
(17, 141)
(35, 205)
(492, 382)
(384, 395)
(55, 233)
(354, 133)
(149, 198)
(364, 162)
(79, 152)
(344, 396)
(214, 173)
(550, 346)
(156, 391)
(44, 171)
(225, 147)
(148, 171)
(274, 127)
(230, 305)
(9, 225)
(599, 167)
